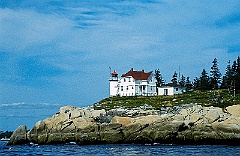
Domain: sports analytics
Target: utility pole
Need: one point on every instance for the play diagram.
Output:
(179, 74)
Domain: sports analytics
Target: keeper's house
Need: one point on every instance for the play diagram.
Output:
(133, 83)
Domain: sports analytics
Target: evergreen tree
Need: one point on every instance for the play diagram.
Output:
(204, 81)
(188, 84)
(234, 69)
(159, 78)
(226, 80)
(196, 83)
(224, 83)
(182, 81)
(237, 77)
(174, 78)
(215, 75)
(233, 75)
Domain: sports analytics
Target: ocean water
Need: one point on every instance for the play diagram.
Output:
(119, 149)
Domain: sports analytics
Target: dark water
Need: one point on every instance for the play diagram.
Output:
(124, 149)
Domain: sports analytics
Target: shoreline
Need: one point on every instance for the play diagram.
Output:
(189, 124)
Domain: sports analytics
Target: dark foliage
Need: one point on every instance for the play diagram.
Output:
(174, 78)
(6, 134)
(215, 75)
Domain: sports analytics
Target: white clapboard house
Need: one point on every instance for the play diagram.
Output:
(133, 83)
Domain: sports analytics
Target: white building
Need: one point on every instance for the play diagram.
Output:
(114, 84)
(133, 83)
(171, 89)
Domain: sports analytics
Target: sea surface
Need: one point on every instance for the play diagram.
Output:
(119, 149)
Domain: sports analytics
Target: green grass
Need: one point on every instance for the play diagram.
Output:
(218, 98)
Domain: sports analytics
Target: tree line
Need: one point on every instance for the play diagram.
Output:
(6, 134)
(230, 80)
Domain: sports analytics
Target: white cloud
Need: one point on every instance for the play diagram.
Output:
(81, 37)
(23, 30)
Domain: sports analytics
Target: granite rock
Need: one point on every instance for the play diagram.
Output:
(184, 124)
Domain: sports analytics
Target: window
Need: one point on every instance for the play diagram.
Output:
(124, 80)
(121, 88)
(176, 89)
(151, 88)
(127, 88)
(132, 87)
(129, 80)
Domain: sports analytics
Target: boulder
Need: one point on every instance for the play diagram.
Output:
(195, 117)
(39, 127)
(38, 134)
(121, 120)
(81, 123)
(66, 109)
(231, 125)
(60, 118)
(234, 110)
(131, 131)
(48, 124)
(76, 113)
(19, 136)
(96, 113)
(143, 120)
(212, 116)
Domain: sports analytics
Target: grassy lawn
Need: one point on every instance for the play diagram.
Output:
(219, 98)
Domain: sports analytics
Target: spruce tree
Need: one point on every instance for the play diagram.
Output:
(215, 75)
(226, 80)
(204, 81)
(174, 78)
(234, 69)
(188, 84)
(196, 83)
(159, 78)
(182, 81)
(237, 78)
(235, 75)
(224, 83)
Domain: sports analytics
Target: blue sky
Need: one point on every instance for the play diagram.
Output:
(58, 52)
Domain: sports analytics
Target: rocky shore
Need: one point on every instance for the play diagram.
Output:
(184, 124)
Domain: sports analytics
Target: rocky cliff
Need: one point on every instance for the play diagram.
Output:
(185, 124)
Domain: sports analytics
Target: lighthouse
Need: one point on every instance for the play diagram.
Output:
(113, 83)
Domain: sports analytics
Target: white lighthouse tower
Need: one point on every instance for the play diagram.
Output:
(113, 83)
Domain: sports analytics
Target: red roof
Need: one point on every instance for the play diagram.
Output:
(114, 72)
(138, 75)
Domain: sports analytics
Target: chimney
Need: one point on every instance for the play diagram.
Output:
(143, 70)
(131, 69)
